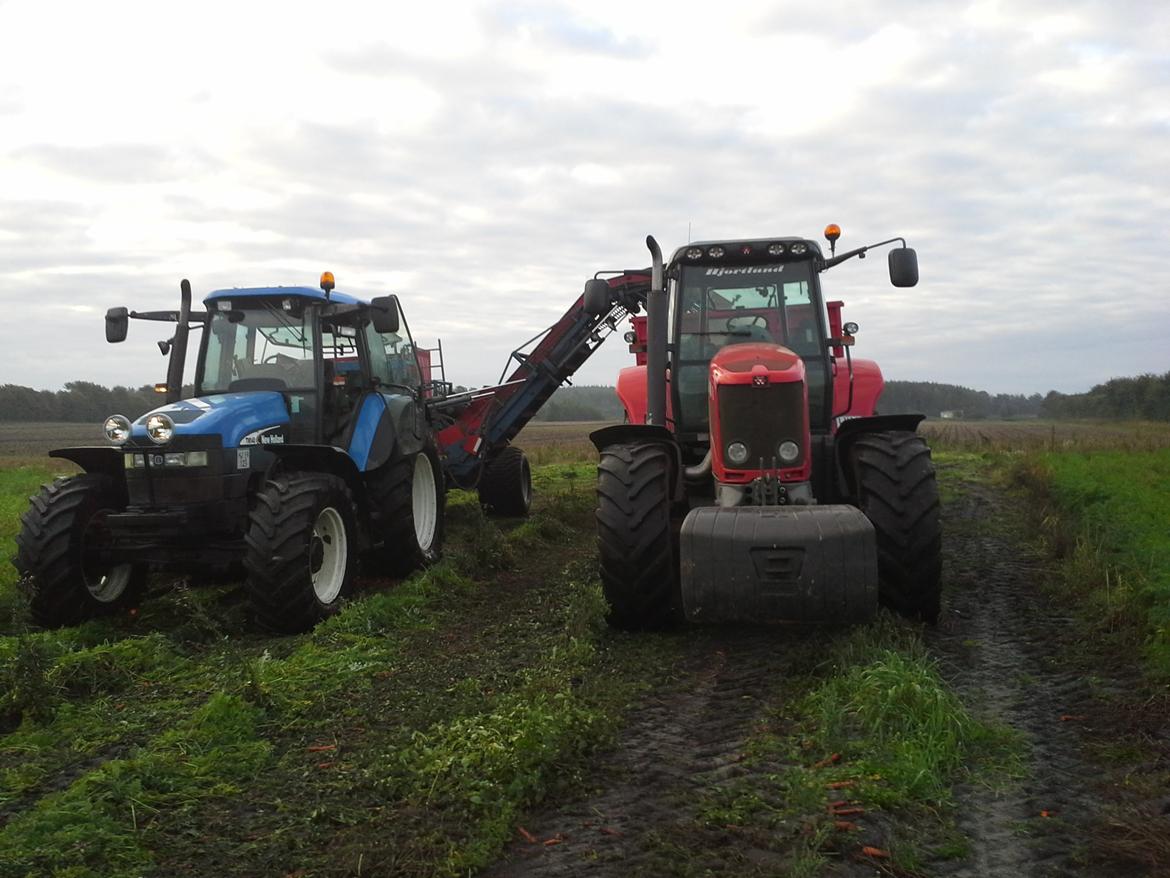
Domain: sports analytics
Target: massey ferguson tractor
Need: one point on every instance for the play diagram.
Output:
(315, 434)
(754, 480)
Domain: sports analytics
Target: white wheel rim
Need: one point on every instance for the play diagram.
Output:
(424, 504)
(328, 553)
(526, 482)
(104, 586)
(109, 587)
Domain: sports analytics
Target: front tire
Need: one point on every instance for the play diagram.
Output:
(505, 486)
(63, 551)
(639, 568)
(898, 493)
(409, 499)
(301, 550)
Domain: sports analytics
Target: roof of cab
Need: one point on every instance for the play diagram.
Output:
(275, 292)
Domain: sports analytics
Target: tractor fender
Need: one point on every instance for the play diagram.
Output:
(849, 430)
(95, 459)
(387, 424)
(643, 434)
(315, 458)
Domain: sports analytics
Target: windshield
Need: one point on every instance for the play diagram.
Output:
(720, 306)
(257, 345)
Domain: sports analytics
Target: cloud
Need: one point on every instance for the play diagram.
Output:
(110, 163)
(483, 160)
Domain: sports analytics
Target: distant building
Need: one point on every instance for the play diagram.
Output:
(951, 414)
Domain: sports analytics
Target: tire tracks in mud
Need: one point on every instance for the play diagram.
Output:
(682, 739)
(1003, 645)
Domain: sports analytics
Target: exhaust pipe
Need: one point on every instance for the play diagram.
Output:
(656, 330)
(179, 344)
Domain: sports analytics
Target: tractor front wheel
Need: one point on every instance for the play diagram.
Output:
(64, 553)
(409, 500)
(301, 550)
(639, 566)
(897, 491)
(505, 487)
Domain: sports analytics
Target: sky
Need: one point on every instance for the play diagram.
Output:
(482, 160)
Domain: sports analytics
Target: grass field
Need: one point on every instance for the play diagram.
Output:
(410, 733)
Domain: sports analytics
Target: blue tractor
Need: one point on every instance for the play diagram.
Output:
(309, 440)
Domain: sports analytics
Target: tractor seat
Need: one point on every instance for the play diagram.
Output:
(246, 384)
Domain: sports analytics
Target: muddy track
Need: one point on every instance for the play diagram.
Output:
(1004, 645)
(683, 738)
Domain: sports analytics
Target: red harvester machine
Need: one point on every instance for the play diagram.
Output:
(754, 479)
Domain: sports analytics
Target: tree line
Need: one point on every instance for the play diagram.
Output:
(79, 401)
(1145, 397)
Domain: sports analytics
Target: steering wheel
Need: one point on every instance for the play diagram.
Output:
(755, 320)
(284, 361)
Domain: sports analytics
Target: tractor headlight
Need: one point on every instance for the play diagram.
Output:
(117, 429)
(737, 453)
(776, 249)
(788, 451)
(694, 252)
(716, 252)
(160, 429)
(799, 248)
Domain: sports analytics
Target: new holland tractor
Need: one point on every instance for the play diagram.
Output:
(754, 480)
(306, 443)
(315, 434)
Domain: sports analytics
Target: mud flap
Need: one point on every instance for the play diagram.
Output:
(778, 564)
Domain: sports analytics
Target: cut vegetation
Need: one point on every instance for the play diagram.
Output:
(481, 716)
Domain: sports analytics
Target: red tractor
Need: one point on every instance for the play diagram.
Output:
(754, 479)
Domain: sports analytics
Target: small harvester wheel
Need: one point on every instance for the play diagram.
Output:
(64, 552)
(301, 550)
(505, 487)
(408, 498)
(639, 559)
(897, 491)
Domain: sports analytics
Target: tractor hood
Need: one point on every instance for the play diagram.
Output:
(759, 358)
(237, 418)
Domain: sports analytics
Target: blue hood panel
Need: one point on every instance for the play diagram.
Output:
(231, 416)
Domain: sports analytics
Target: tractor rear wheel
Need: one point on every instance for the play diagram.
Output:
(301, 550)
(63, 550)
(505, 486)
(639, 559)
(408, 498)
(897, 491)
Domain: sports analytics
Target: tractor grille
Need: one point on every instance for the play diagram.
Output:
(761, 418)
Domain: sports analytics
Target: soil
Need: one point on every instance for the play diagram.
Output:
(1006, 647)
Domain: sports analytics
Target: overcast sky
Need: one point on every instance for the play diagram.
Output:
(483, 160)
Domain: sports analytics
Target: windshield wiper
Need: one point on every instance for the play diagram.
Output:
(285, 322)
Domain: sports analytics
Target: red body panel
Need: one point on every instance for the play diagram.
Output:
(758, 364)
(638, 348)
(867, 388)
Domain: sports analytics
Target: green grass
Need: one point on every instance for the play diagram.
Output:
(440, 706)
(1106, 518)
(867, 720)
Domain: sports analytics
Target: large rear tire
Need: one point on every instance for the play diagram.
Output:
(505, 487)
(408, 498)
(897, 491)
(301, 550)
(639, 566)
(63, 552)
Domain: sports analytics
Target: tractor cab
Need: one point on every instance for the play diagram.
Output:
(321, 353)
(762, 293)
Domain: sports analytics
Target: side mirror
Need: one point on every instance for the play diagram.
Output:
(904, 267)
(117, 324)
(598, 297)
(384, 313)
